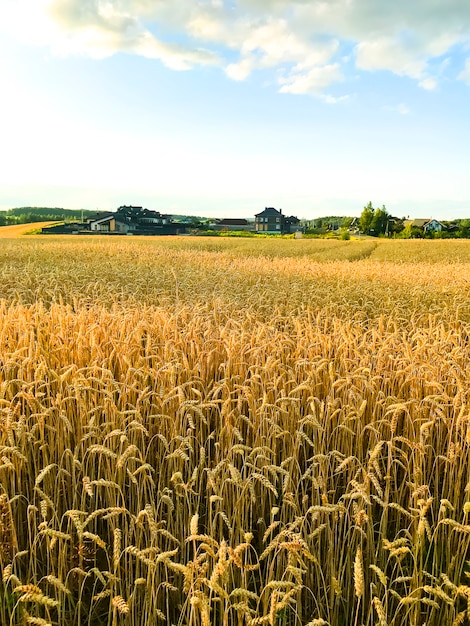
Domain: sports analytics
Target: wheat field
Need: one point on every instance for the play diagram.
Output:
(234, 432)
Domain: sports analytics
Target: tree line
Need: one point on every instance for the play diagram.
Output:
(26, 215)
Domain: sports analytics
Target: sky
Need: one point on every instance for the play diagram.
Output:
(220, 108)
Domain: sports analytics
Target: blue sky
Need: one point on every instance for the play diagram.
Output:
(221, 108)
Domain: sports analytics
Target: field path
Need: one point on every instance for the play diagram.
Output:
(18, 230)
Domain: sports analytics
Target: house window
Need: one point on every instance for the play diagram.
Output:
(278, 219)
(278, 227)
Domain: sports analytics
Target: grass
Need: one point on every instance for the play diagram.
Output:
(233, 432)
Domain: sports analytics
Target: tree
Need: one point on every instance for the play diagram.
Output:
(375, 221)
(346, 222)
(395, 225)
(195, 223)
(379, 221)
(411, 232)
(365, 220)
(464, 228)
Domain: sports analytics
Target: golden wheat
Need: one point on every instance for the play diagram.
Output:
(246, 432)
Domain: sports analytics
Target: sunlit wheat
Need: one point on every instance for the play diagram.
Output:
(234, 432)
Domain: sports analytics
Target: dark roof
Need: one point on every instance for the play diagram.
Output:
(152, 213)
(420, 222)
(233, 221)
(269, 211)
(111, 216)
(99, 216)
(292, 220)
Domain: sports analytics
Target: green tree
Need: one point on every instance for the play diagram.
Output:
(464, 228)
(366, 218)
(395, 225)
(411, 232)
(379, 222)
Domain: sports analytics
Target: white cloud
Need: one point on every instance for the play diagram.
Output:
(174, 56)
(387, 53)
(428, 83)
(315, 81)
(240, 70)
(98, 28)
(302, 39)
(268, 43)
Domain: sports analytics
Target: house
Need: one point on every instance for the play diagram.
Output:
(110, 223)
(137, 215)
(154, 217)
(127, 220)
(433, 226)
(269, 221)
(292, 225)
(427, 225)
(273, 221)
(135, 220)
(233, 224)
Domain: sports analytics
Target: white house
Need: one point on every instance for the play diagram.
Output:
(109, 224)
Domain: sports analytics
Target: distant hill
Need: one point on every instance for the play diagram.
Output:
(28, 214)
